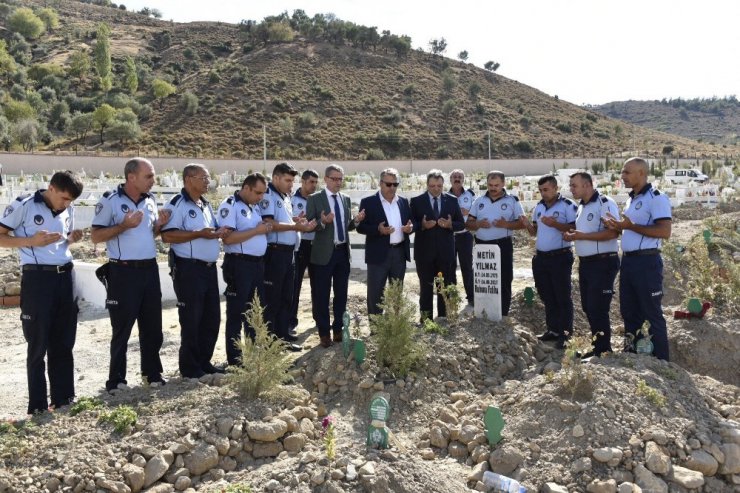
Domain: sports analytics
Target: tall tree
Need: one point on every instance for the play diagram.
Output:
(491, 66)
(7, 63)
(161, 89)
(463, 56)
(438, 46)
(130, 77)
(102, 57)
(102, 117)
(26, 23)
(79, 64)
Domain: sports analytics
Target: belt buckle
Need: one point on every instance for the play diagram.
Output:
(59, 269)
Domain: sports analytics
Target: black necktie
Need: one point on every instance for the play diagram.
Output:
(338, 219)
(436, 208)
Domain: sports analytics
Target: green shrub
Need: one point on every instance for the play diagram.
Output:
(399, 348)
(375, 154)
(24, 22)
(85, 404)
(651, 394)
(264, 362)
(306, 119)
(524, 146)
(564, 127)
(123, 418)
(189, 103)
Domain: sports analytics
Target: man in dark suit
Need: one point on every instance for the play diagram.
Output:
(435, 216)
(330, 252)
(387, 226)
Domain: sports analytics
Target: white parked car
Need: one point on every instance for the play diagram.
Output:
(685, 176)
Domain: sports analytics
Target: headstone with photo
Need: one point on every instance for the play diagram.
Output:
(487, 281)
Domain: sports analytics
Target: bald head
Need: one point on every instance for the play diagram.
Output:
(635, 173)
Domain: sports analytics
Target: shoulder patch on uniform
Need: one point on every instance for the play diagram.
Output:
(107, 194)
(514, 197)
(568, 201)
(23, 198)
(472, 192)
(604, 200)
(656, 192)
(175, 199)
(230, 199)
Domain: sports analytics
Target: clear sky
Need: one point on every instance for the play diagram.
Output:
(584, 51)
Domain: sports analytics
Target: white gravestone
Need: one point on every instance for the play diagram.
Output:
(487, 281)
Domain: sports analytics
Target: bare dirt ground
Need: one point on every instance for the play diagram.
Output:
(632, 421)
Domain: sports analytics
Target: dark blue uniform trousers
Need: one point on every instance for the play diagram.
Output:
(393, 267)
(302, 262)
(279, 273)
(507, 270)
(244, 275)
(49, 319)
(464, 256)
(596, 276)
(336, 274)
(640, 296)
(198, 306)
(427, 271)
(134, 295)
(552, 280)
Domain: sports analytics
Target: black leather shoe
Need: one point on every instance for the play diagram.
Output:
(295, 348)
(562, 341)
(210, 369)
(548, 336)
(290, 338)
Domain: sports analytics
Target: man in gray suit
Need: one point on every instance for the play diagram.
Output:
(330, 252)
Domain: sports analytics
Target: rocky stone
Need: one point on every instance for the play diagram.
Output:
(437, 438)
(552, 366)
(368, 469)
(468, 434)
(448, 416)
(271, 449)
(156, 467)
(656, 460)
(134, 476)
(578, 432)
(267, 432)
(602, 454)
(51, 484)
(649, 482)
(477, 472)
(223, 425)
(366, 383)
(201, 459)
(597, 486)
(628, 487)
(112, 486)
(554, 488)
(13, 289)
(581, 465)
(427, 454)
(702, 461)
(294, 443)
(731, 464)
(161, 488)
(182, 483)
(336, 474)
(351, 474)
(318, 477)
(291, 421)
(457, 450)
(272, 485)
(686, 477)
(505, 460)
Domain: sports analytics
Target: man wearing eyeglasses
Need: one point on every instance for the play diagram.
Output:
(387, 227)
(330, 252)
(464, 238)
(193, 234)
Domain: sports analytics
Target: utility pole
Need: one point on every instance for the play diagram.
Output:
(264, 149)
(489, 148)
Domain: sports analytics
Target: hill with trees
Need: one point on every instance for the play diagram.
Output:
(713, 120)
(76, 76)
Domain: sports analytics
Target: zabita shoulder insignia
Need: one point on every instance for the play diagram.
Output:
(21, 198)
(107, 194)
(516, 198)
(604, 200)
(656, 192)
(175, 199)
(472, 192)
(568, 201)
(230, 200)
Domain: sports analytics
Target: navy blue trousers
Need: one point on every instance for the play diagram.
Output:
(334, 275)
(198, 306)
(302, 262)
(49, 319)
(464, 257)
(134, 295)
(596, 282)
(279, 278)
(640, 296)
(552, 280)
(244, 276)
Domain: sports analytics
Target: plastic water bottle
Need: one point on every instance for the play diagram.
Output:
(502, 484)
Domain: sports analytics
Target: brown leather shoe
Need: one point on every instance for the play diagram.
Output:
(337, 337)
(326, 341)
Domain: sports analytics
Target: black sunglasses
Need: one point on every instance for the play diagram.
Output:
(389, 184)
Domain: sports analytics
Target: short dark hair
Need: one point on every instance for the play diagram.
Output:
(252, 179)
(309, 173)
(496, 174)
(333, 167)
(192, 168)
(284, 168)
(434, 174)
(583, 175)
(546, 178)
(67, 181)
(132, 166)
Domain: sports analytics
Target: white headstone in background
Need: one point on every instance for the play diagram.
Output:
(487, 281)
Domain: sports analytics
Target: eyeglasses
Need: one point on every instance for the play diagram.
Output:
(335, 178)
(205, 179)
(389, 184)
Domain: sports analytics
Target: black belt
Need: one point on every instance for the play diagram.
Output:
(59, 269)
(493, 242)
(280, 246)
(245, 256)
(397, 245)
(337, 246)
(136, 264)
(598, 256)
(649, 251)
(552, 253)
(195, 261)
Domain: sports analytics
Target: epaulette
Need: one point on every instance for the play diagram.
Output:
(472, 192)
(176, 199)
(107, 194)
(568, 201)
(655, 192)
(23, 198)
(230, 200)
(514, 197)
(604, 199)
